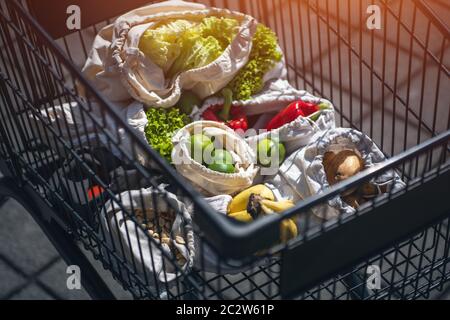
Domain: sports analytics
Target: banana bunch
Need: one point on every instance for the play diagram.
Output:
(258, 201)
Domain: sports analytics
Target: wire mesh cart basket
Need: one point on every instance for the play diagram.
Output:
(392, 84)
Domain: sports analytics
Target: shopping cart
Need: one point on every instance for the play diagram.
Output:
(391, 84)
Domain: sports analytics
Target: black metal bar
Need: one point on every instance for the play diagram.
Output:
(435, 18)
(340, 248)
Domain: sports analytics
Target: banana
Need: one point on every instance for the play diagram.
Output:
(277, 206)
(259, 200)
(242, 216)
(239, 202)
(288, 230)
(267, 210)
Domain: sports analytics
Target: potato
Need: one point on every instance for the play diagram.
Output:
(342, 165)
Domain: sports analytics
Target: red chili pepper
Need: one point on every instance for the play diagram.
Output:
(291, 112)
(232, 116)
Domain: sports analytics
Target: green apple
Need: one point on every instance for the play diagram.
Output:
(222, 161)
(222, 167)
(201, 147)
(222, 156)
(267, 151)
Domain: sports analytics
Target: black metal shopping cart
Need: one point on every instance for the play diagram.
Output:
(391, 84)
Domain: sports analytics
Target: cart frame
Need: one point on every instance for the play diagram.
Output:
(238, 241)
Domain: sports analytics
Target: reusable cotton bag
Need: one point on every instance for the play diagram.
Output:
(303, 174)
(210, 182)
(149, 258)
(120, 70)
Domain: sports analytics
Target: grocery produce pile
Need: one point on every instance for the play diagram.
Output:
(177, 46)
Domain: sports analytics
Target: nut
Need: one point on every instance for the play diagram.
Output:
(165, 240)
(164, 234)
(180, 240)
(181, 260)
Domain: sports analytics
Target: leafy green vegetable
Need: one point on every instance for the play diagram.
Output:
(181, 45)
(223, 29)
(161, 44)
(160, 128)
(196, 52)
(263, 57)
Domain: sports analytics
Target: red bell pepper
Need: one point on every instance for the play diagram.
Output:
(94, 192)
(232, 116)
(293, 111)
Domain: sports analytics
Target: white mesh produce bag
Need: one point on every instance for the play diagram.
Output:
(303, 174)
(131, 243)
(121, 71)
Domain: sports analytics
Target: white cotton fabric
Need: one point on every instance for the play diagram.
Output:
(209, 182)
(147, 255)
(220, 203)
(120, 70)
(303, 175)
(278, 95)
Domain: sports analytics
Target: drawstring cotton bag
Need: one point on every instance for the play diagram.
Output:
(207, 181)
(303, 174)
(121, 71)
(154, 258)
